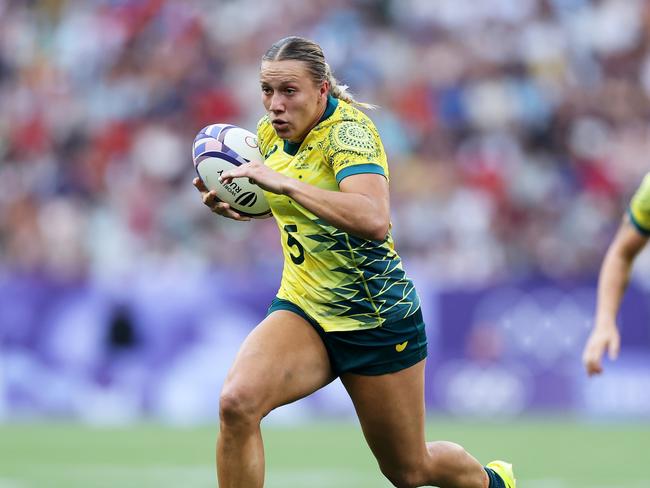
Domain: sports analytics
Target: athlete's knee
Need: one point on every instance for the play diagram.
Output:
(439, 467)
(239, 405)
(404, 477)
(446, 457)
(451, 464)
(405, 473)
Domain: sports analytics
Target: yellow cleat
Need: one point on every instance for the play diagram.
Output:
(504, 470)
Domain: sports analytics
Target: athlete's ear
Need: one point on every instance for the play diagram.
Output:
(324, 88)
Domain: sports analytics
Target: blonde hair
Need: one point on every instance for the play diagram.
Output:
(301, 49)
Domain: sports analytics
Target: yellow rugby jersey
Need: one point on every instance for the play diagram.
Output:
(639, 210)
(341, 281)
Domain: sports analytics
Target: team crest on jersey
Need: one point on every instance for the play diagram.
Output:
(354, 137)
(301, 160)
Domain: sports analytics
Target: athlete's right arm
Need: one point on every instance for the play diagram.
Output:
(612, 282)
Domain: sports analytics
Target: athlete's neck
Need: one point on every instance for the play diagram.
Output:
(317, 119)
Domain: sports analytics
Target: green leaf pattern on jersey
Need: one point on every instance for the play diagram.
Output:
(374, 282)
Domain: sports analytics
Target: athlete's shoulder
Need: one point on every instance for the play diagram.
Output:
(354, 137)
(352, 145)
(352, 131)
(347, 112)
(349, 128)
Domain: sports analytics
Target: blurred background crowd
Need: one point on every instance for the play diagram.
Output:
(516, 131)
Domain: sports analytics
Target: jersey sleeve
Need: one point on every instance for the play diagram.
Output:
(639, 210)
(355, 148)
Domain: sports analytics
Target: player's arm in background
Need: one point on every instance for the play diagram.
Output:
(612, 282)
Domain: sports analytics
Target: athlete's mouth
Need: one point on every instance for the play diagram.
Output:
(280, 124)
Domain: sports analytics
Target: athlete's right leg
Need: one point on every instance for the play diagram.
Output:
(282, 360)
(396, 433)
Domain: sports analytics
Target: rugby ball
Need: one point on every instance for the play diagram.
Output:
(220, 147)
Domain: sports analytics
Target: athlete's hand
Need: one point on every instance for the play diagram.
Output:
(602, 338)
(211, 200)
(260, 174)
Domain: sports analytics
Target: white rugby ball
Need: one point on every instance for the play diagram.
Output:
(220, 147)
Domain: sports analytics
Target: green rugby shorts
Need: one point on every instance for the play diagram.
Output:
(392, 347)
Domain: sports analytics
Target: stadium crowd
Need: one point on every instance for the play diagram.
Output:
(515, 129)
(516, 132)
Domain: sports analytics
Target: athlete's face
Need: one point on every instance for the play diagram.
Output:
(292, 100)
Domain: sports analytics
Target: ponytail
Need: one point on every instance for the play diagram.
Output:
(341, 91)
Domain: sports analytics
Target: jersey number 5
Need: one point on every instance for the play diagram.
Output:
(293, 242)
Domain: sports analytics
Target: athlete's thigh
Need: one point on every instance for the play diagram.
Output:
(390, 408)
(282, 360)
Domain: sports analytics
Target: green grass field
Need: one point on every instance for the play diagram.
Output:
(546, 454)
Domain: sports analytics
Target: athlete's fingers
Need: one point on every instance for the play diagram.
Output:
(198, 183)
(231, 214)
(246, 169)
(595, 368)
(223, 209)
(228, 176)
(592, 357)
(211, 199)
(593, 365)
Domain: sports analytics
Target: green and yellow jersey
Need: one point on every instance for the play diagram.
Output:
(341, 281)
(639, 210)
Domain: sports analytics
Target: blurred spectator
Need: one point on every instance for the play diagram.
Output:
(516, 131)
(493, 115)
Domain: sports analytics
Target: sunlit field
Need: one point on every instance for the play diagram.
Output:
(546, 454)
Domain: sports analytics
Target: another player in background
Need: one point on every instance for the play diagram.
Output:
(345, 307)
(630, 239)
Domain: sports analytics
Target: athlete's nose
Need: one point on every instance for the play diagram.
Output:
(277, 104)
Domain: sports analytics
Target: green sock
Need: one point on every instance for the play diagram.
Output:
(495, 479)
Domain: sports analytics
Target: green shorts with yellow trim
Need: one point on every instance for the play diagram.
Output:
(392, 347)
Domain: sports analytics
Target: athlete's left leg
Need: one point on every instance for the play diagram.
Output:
(392, 415)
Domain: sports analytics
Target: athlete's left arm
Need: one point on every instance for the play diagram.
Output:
(361, 208)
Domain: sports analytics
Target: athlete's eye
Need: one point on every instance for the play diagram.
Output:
(266, 90)
(290, 91)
